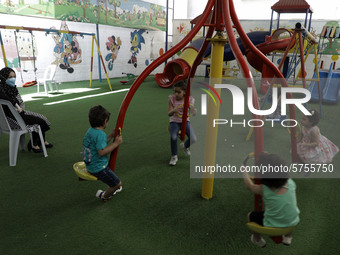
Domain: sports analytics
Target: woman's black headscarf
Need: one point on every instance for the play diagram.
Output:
(4, 73)
(7, 92)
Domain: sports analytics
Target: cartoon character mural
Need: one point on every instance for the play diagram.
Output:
(332, 45)
(66, 49)
(136, 14)
(76, 51)
(113, 46)
(136, 44)
(58, 48)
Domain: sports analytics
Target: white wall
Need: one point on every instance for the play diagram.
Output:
(261, 9)
(181, 9)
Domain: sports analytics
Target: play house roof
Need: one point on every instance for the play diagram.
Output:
(292, 6)
(195, 20)
(206, 23)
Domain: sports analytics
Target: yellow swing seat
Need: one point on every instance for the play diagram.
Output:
(270, 231)
(80, 170)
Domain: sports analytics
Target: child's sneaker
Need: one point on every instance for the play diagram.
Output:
(186, 150)
(100, 194)
(173, 160)
(261, 243)
(118, 190)
(287, 240)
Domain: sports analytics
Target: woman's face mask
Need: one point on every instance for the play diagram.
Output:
(11, 82)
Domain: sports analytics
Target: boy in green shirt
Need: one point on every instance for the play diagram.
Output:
(96, 149)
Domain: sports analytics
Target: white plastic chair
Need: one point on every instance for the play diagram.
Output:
(48, 79)
(16, 132)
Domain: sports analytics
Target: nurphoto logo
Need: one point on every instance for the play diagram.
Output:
(239, 99)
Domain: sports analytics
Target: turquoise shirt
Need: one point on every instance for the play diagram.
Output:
(94, 140)
(280, 210)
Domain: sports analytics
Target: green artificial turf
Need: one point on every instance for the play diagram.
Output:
(46, 210)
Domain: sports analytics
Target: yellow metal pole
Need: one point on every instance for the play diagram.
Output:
(316, 63)
(3, 50)
(101, 58)
(216, 67)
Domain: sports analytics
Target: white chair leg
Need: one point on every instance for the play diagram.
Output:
(56, 86)
(45, 87)
(13, 148)
(50, 86)
(42, 142)
(22, 142)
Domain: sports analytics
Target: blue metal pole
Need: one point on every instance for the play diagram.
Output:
(306, 18)
(310, 22)
(99, 68)
(166, 28)
(271, 23)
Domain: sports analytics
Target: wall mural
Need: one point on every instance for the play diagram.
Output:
(113, 46)
(330, 39)
(123, 13)
(136, 40)
(66, 51)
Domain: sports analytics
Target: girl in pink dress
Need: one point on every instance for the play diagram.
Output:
(312, 146)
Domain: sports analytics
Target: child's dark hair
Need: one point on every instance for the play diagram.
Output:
(314, 118)
(272, 178)
(181, 84)
(97, 116)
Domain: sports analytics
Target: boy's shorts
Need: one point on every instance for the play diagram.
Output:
(256, 216)
(107, 176)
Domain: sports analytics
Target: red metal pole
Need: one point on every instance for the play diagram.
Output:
(276, 71)
(302, 59)
(245, 69)
(291, 44)
(197, 61)
(149, 69)
(258, 132)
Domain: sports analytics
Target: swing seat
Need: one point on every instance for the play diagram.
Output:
(80, 170)
(29, 84)
(270, 231)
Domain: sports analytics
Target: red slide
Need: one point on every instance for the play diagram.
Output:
(272, 43)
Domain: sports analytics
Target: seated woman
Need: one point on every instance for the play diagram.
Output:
(9, 91)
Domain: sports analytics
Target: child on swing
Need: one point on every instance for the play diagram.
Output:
(313, 147)
(96, 149)
(175, 112)
(279, 198)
